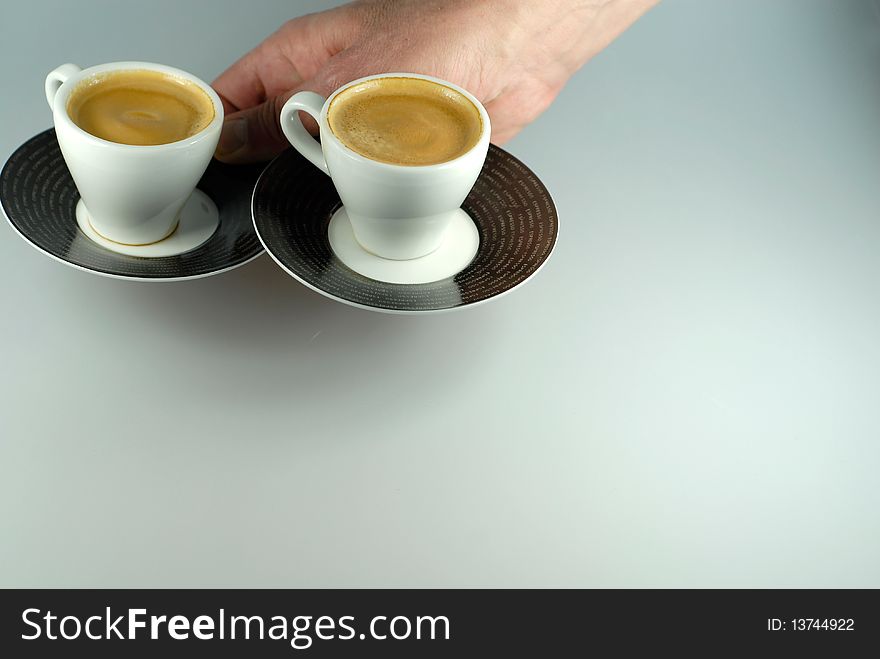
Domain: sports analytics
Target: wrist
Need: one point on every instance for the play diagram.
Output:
(569, 31)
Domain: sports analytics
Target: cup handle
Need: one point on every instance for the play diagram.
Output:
(296, 133)
(57, 78)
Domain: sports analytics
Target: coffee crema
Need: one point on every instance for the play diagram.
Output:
(140, 107)
(405, 121)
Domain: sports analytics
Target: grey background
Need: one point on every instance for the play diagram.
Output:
(687, 395)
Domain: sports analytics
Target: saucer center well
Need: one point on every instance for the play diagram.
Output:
(199, 219)
(458, 249)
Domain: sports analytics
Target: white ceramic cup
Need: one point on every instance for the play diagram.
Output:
(396, 211)
(133, 194)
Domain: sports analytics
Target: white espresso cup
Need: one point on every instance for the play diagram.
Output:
(396, 211)
(133, 194)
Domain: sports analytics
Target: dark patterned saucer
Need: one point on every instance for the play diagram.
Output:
(516, 219)
(39, 199)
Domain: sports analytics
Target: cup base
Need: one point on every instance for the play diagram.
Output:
(457, 250)
(199, 219)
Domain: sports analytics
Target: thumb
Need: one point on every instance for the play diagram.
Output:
(253, 134)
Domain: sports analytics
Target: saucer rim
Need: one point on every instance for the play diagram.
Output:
(402, 312)
(111, 275)
(386, 310)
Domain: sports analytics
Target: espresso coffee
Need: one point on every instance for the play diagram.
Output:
(140, 107)
(405, 121)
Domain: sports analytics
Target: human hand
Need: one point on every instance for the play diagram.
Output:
(513, 55)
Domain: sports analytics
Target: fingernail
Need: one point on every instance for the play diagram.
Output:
(233, 137)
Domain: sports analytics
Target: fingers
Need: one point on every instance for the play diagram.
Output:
(265, 71)
(500, 138)
(294, 53)
(253, 134)
(255, 88)
(241, 85)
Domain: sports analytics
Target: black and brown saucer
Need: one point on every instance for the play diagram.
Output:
(215, 233)
(503, 235)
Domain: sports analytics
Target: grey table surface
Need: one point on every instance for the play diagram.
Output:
(687, 395)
